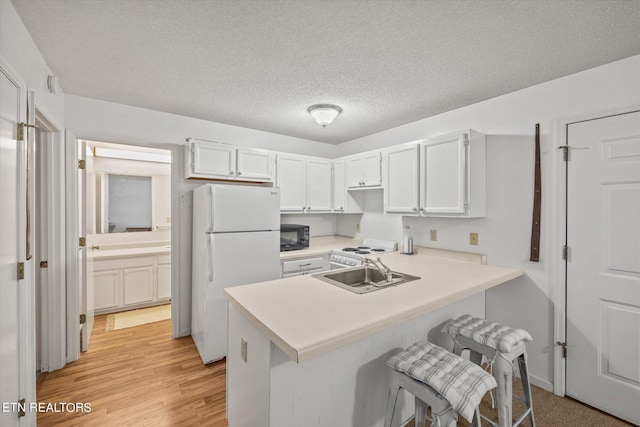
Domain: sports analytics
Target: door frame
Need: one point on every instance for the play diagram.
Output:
(177, 174)
(558, 228)
(53, 321)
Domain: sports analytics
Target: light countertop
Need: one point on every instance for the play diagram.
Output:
(306, 317)
(128, 252)
(321, 246)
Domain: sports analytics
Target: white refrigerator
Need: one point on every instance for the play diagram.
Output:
(236, 241)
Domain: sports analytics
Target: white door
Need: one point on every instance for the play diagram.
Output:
(355, 166)
(292, 180)
(442, 175)
(254, 164)
(401, 175)
(318, 185)
(17, 320)
(372, 169)
(603, 271)
(339, 189)
(211, 160)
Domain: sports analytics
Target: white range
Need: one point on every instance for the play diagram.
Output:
(352, 257)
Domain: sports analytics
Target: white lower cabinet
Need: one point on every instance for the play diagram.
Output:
(137, 285)
(304, 265)
(123, 283)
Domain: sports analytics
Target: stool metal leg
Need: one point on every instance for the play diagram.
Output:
(394, 389)
(421, 413)
(502, 370)
(526, 386)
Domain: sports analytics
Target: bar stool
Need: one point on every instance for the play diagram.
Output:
(501, 345)
(438, 379)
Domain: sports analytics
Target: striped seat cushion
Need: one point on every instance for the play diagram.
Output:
(491, 334)
(459, 381)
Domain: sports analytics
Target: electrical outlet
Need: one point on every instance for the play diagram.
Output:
(473, 239)
(243, 349)
(433, 234)
(169, 220)
(357, 227)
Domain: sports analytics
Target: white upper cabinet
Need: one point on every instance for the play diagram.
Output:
(400, 165)
(211, 160)
(343, 200)
(305, 183)
(255, 165)
(292, 180)
(364, 170)
(318, 185)
(453, 175)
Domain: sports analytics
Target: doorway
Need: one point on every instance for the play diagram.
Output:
(128, 232)
(603, 265)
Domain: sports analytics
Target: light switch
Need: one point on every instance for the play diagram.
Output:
(433, 234)
(473, 239)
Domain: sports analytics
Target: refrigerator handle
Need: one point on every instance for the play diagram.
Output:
(209, 209)
(209, 259)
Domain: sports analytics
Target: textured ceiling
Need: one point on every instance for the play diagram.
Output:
(260, 64)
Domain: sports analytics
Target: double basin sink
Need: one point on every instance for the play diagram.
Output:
(364, 279)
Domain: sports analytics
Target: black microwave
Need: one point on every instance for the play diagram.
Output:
(293, 236)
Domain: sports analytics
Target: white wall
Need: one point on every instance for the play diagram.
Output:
(110, 122)
(19, 50)
(504, 235)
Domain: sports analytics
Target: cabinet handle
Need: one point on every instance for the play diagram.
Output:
(304, 265)
(414, 209)
(239, 173)
(341, 208)
(231, 172)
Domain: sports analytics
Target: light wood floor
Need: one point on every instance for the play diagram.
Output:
(137, 377)
(142, 377)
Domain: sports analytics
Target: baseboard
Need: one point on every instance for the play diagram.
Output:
(184, 333)
(543, 384)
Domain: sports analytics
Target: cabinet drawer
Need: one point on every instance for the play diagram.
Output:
(302, 264)
(302, 273)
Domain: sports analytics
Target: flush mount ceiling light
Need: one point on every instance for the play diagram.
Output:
(324, 114)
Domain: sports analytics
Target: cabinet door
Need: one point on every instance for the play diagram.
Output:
(339, 189)
(164, 282)
(211, 160)
(162, 201)
(107, 289)
(318, 185)
(292, 180)
(372, 165)
(138, 285)
(255, 165)
(354, 172)
(401, 179)
(442, 175)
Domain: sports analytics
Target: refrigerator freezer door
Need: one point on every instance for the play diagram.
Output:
(242, 208)
(234, 259)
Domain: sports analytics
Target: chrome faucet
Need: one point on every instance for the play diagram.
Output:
(381, 267)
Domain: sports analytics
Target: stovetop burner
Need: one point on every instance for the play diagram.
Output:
(349, 249)
(377, 250)
(361, 252)
(364, 248)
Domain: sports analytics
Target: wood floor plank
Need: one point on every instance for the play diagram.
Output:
(137, 377)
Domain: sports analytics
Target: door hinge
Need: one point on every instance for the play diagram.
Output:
(565, 152)
(564, 348)
(82, 164)
(21, 271)
(565, 253)
(83, 319)
(466, 139)
(21, 127)
(44, 264)
(82, 242)
(22, 407)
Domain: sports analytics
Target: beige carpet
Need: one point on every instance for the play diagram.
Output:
(129, 319)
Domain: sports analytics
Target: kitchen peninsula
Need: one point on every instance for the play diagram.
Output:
(304, 352)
